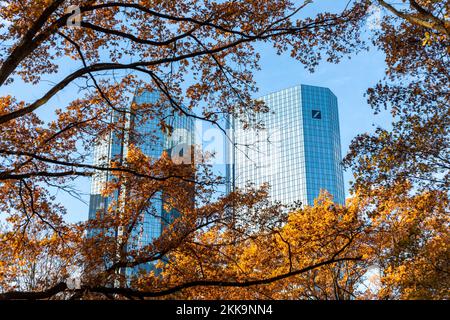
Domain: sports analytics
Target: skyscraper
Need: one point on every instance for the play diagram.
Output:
(298, 152)
(153, 142)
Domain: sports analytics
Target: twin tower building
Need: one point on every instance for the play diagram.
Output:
(298, 153)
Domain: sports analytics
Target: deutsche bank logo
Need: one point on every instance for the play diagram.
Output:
(317, 114)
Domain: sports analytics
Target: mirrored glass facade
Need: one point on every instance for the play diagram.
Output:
(298, 153)
(152, 141)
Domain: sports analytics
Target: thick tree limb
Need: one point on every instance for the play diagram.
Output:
(206, 283)
(61, 287)
(17, 295)
(10, 176)
(265, 34)
(430, 22)
(28, 43)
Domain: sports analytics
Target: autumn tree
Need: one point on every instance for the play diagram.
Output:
(296, 253)
(199, 55)
(405, 170)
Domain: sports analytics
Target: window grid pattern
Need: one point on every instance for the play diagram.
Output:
(274, 155)
(322, 144)
(296, 154)
(152, 141)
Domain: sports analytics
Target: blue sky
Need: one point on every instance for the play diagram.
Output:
(349, 81)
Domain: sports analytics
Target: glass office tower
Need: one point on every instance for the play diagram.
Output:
(153, 142)
(298, 152)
